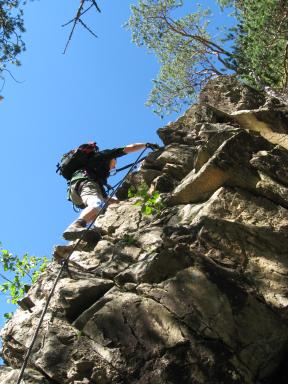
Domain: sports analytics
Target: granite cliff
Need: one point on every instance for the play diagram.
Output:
(196, 293)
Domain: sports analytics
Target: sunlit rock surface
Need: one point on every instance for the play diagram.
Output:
(196, 293)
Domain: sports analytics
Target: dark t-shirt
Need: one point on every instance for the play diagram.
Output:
(98, 167)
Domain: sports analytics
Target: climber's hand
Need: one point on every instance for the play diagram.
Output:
(152, 146)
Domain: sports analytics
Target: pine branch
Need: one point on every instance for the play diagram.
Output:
(86, 27)
(96, 6)
(83, 13)
(77, 19)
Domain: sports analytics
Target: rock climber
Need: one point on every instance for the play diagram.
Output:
(86, 187)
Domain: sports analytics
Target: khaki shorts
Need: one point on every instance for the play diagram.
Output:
(87, 193)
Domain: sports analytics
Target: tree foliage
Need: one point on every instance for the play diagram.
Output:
(18, 274)
(255, 48)
(260, 41)
(186, 52)
(11, 29)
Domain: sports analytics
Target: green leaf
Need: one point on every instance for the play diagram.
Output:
(19, 271)
(8, 315)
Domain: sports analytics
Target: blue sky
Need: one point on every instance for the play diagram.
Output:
(95, 92)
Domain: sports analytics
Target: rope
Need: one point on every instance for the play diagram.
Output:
(129, 165)
(110, 187)
(64, 265)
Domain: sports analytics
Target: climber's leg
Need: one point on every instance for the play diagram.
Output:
(88, 194)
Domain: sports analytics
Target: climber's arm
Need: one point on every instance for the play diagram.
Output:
(138, 146)
(134, 147)
(118, 152)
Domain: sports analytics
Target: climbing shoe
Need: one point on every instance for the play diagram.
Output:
(75, 230)
(61, 252)
(78, 230)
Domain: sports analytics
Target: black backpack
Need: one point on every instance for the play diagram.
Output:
(76, 159)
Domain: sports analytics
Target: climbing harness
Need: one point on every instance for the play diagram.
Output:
(109, 187)
(65, 264)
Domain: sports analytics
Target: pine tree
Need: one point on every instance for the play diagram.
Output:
(11, 29)
(255, 48)
(186, 52)
(260, 41)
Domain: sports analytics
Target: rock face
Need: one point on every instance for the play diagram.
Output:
(196, 293)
